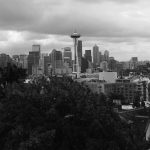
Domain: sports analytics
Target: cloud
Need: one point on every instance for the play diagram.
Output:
(116, 1)
(55, 17)
(50, 22)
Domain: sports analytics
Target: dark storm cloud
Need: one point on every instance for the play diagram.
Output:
(17, 15)
(55, 17)
(50, 22)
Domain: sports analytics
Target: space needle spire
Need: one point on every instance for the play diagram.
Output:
(75, 37)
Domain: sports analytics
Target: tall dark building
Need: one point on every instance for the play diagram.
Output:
(88, 55)
(79, 49)
(56, 59)
(47, 62)
(84, 65)
(101, 57)
(4, 60)
(33, 60)
(106, 55)
(96, 57)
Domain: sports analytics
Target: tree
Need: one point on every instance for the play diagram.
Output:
(11, 74)
(68, 116)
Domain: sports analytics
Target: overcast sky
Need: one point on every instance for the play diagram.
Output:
(120, 26)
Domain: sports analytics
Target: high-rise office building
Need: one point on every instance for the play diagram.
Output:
(133, 62)
(36, 48)
(41, 61)
(67, 57)
(87, 55)
(101, 57)
(56, 59)
(79, 49)
(96, 57)
(4, 60)
(84, 65)
(47, 63)
(106, 55)
(134, 59)
(33, 59)
(67, 52)
(24, 61)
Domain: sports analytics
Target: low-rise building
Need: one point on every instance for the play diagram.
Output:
(109, 77)
(127, 90)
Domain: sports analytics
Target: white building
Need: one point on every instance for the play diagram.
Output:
(109, 77)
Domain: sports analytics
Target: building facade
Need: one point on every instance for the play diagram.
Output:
(56, 60)
(88, 55)
(4, 60)
(96, 57)
(67, 57)
(106, 55)
(127, 90)
(36, 48)
(33, 60)
(79, 49)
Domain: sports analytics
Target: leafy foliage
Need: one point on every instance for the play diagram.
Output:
(12, 73)
(67, 117)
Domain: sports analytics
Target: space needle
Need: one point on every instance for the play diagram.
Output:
(75, 37)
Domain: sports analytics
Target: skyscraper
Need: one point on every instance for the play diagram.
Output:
(24, 61)
(67, 52)
(36, 48)
(133, 62)
(4, 60)
(87, 55)
(84, 65)
(56, 59)
(79, 49)
(41, 62)
(96, 57)
(106, 55)
(47, 62)
(67, 57)
(33, 59)
(101, 57)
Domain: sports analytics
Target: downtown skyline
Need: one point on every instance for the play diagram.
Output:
(114, 25)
